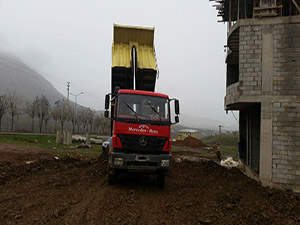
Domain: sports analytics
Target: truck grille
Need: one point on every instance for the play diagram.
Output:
(131, 143)
(140, 164)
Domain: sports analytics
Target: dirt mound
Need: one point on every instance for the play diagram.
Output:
(102, 160)
(190, 142)
(17, 154)
(76, 191)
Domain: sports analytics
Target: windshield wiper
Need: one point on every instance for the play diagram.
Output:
(151, 106)
(135, 113)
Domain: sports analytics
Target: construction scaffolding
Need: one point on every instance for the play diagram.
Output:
(233, 10)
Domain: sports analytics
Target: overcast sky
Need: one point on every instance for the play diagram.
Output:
(70, 40)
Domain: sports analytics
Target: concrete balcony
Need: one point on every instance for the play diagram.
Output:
(232, 95)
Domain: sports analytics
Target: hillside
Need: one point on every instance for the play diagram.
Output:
(205, 123)
(228, 140)
(27, 83)
(202, 131)
(18, 77)
(229, 143)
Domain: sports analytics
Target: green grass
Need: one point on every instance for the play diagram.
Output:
(227, 140)
(229, 144)
(47, 145)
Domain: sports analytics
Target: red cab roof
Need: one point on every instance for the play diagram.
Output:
(138, 92)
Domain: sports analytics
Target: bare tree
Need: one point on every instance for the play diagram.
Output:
(78, 120)
(55, 113)
(84, 118)
(3, 106)
(97, 124)
(90, 118)
(105, 125)
(43, 108)
(47, 116)
(13, 109)
(73, 118)
(31, 110)
(61, 106)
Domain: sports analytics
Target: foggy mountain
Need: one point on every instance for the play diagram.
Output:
(18, 77)
(27, 83)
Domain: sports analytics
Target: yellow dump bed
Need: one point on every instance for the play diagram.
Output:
(125, 37)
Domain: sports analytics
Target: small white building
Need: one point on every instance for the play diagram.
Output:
(182, 134)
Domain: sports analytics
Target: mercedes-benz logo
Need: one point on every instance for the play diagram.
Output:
(143, 141)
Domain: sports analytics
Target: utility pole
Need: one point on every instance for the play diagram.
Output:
(75, 114)
(220, 133)
(68, 104)
(218, 152)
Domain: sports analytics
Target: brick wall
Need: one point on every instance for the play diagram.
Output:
(250, 60)
(286, 141)
(286, 104)
(286, 59)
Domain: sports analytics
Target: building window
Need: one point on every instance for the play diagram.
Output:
(232, 74)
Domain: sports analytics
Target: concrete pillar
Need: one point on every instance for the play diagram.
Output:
(88, 139)
(266, 143)
(58, 137)
(69, 138)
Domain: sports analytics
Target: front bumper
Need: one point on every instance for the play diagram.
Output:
(139, 162)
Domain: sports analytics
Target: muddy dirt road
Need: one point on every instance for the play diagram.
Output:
(73, 191)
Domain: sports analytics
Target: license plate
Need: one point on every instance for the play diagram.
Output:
(142, 158)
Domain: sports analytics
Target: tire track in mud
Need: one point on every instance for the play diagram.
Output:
(73, 191)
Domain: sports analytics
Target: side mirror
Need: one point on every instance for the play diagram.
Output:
(106, 114)
(176, 119)
(107, 101)
(177, 107)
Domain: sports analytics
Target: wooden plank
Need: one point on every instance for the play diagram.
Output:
(238, 10)
(270, 7)
(229, 13)
(297, 6)
(265, 14)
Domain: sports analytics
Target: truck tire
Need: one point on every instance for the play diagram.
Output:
(161, 179)
(112, 177)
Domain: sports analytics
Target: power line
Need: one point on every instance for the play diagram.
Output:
(51, 75)
(45, 74)
(30, 68)
(86, 92)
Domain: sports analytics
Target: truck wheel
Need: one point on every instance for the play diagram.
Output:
(112, 177)
(161, 179)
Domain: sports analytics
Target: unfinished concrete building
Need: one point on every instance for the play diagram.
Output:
(263, 84)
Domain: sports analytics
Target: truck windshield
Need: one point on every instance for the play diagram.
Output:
(143, 109)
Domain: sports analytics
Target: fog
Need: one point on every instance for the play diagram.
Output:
(70, 40)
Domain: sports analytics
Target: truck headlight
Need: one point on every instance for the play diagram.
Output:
(118, 161)
(165, 163)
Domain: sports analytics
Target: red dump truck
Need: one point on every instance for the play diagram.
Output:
(140, 117)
